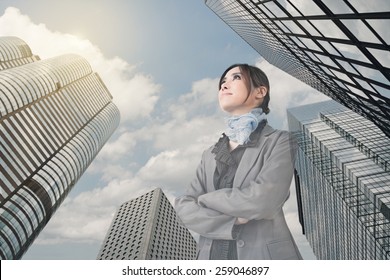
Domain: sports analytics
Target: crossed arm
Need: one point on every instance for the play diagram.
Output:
(213, 214)
(201, 219)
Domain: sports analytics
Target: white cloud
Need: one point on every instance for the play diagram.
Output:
(115, 149)
(176, 133)
(202, 100)
(86, 217)
(112, 171)
(203, 92)
(168, 168)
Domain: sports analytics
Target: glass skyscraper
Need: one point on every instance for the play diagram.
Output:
(147, 228)
(55, 116)
(342, 182)
(341, 48)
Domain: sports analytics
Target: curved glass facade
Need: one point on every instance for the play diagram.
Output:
(55, 115)
(14, 52)
(340, 48)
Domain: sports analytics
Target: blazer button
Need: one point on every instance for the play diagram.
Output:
(240, 243)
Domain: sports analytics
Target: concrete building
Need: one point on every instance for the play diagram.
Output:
(147, 228)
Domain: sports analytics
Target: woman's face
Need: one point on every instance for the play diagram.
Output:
(233, 94)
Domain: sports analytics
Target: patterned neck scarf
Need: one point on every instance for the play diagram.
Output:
(239, 128)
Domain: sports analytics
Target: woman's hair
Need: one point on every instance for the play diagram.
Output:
(254, 78)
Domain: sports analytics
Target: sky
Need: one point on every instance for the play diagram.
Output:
(161, 61)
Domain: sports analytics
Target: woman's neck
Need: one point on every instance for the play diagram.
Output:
(232, 145)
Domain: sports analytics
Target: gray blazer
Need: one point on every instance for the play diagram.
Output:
(260, 188)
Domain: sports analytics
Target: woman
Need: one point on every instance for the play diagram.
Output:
(235, 200)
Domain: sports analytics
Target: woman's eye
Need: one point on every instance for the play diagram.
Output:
(236, 77)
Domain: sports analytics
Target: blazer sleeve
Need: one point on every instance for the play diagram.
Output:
(207, 222)
(263, 196)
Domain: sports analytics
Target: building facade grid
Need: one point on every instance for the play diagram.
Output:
(343, 189)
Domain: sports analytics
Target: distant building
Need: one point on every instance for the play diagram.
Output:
(147, 228)
(340, 48)
(55, 116)
(342, 182)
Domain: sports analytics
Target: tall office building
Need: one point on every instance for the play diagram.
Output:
(147, 228)
(342, 182)
(341, 48)
(55, 116)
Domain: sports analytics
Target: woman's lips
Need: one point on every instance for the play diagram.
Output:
(225, 93)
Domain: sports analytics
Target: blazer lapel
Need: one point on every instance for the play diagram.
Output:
(250, 156)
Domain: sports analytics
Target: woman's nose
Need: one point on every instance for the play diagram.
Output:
(225, 85)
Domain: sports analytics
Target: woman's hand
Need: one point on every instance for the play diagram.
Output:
(241, 221)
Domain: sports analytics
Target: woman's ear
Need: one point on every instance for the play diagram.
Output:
(261, 92)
